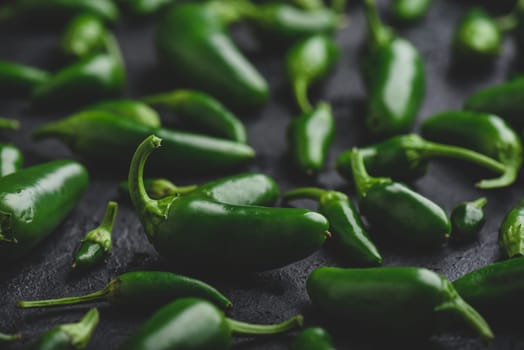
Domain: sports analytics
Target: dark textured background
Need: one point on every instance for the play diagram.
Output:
(274, 295)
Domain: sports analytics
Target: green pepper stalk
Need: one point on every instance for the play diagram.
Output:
(312, 338)
(467, 219)
(485, 133)
(406, 158)
(136, 111)
(511, 233)
(71, 335)
(11, 159)
(403, 300)
(394, 75)
(393, 209)
(10, 124)
(345, 224)
(97, 243)
(16, 78)
(8, 338)
(84, 35)
(201, 111)
(197, 324)
(409, 11)
(188, 229)
(159, 188)
(142, 289)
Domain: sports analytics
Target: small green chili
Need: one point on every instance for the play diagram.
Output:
(16, 78)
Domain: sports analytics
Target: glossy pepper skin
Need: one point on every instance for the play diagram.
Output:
(69, 336)
(485, 133)
(48, 192)
(467, 219)
(16, 78)
(312, 338)
(400, 300)
(84, 35)
(142, 289)
(201, 111)
(310, 136)
(504, 100)
(103, 137)
(11, 159)
(8, 338)
(96, 76)
(393, 209)
(344, 223)
(511, 233)
(406, 158)
(195, 324)
(395, 80)
(409, 11)
(194, 229)
(133, 110)
(97, 243)
(205, 56)
(142, 8)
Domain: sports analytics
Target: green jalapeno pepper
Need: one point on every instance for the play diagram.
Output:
(34, 201)
(201, 111)
(8, 338)
(309, 136)
(206, 58)
(495, 289)
(467, 219)
(195, 229)
(394, 75)
(511, 233)
(100, 137)
(133, 110)
(344, 222)
(142, 289)
(313, 338)
(481, 132)
(96, 76)
(97, 243)
(11, 159)
(393, 209)
(376, 297)
(193, 324)
(84, 35)
(16, 78)
(71, 335)
(406, 158)
(410, 10)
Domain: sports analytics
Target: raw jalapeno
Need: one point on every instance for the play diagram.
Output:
(393, 209)
(48, 192)
(8, 338)
(410, 10)
(174, 327)
(103, 137)
(344, 222)
(133, 110)
(11, 159)
(195, 229)
(394, 77)
(313, 338)
(16, 78)
(205, 57)
(467, 219)
(406, 158)
(142, 289)
(97, 243)
(481, 132)
(376, 297)
(511, 233)
(84, 35)
(202, 111)
(71, 335)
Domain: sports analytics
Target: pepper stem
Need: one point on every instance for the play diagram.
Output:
(300, 91)
(304, 192)
(80, 332)
(380, 34)
(259, 329)
(108, 221)
(4, 338)
(506, 179)
(480, 203)
(99, 295)
(164, 98)
(363, 181)
(11, 124)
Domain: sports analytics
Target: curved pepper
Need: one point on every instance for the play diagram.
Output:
(376, 298)
(104, 137)
(174, 326)
(84, 35)
(393, 209)
(48, 192)
(94, 77)
(142, 289)
(310, 135)
(71, 335)
(313, 338)
(511, 233)
(205, 56)
(394, 75)
(8, 338)
(97, 243)
(11, 159)
(467, 219)
(131, 109)
(201, 111)
(194, 229)
(410, 10)
(481, 132)
(406, 158)
(344, 223)
(16, 78)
